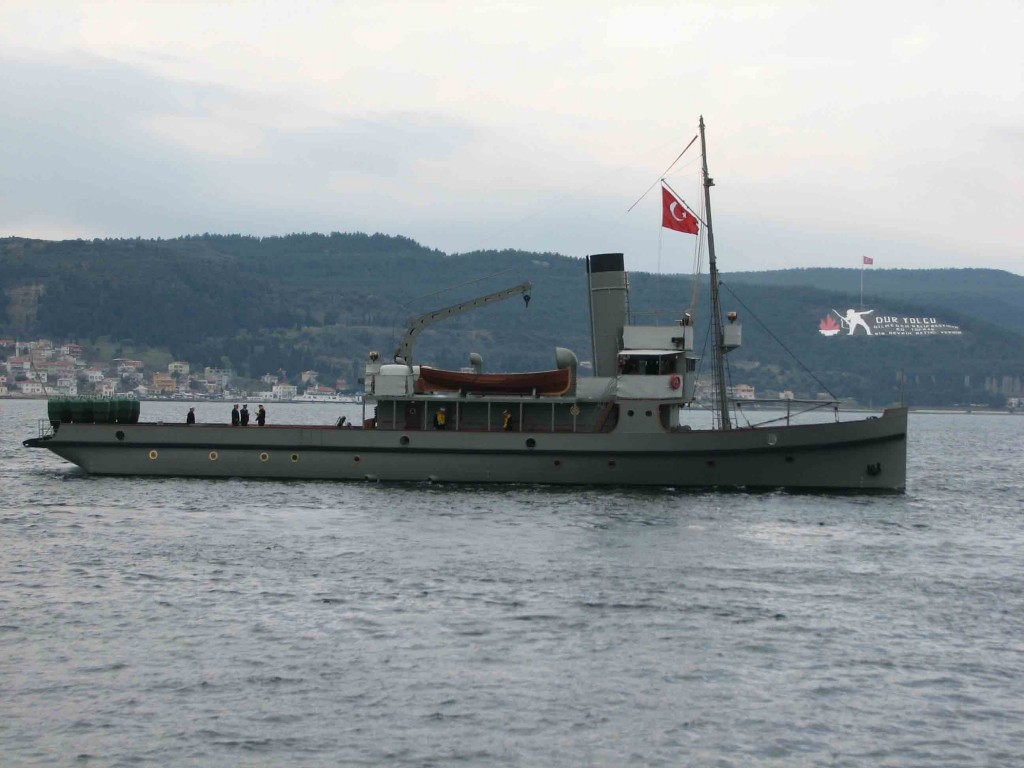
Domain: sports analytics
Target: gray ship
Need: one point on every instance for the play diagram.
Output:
(620, 426)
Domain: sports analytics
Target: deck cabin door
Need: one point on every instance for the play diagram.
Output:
(413, 415)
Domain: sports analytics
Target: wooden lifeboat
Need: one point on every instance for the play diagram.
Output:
(555, 382)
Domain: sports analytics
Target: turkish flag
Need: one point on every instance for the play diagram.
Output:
(674, 214)
(868, 260)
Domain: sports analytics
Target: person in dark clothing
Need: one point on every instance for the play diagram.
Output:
(191, 418)
(245, 415)
(235, 418)
(261, 416)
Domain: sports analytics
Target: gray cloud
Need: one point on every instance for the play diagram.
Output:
(76, 144)
(91, 147)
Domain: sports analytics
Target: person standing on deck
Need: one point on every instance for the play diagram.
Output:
(235, 418)
(245, 415)
(191, 418)
(441, 419)
(261, 416)
(506, 421)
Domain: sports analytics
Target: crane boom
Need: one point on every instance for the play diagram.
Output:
(404, 352)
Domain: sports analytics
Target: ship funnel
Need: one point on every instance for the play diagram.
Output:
(608, 294)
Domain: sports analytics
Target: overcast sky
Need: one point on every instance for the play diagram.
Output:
(835, 130)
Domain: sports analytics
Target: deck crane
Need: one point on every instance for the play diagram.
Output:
(403, 355)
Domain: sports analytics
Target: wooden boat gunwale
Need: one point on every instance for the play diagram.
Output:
(550, 383)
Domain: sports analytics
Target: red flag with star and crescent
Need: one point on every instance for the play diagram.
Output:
(674, 214)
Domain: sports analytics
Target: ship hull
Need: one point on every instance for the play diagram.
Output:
(867, 455)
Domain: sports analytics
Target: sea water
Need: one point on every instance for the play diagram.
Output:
(232, 622)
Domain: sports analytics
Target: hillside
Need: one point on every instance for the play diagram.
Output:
(991, 295)
(322, 301)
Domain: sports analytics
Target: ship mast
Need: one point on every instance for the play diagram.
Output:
(716, 307)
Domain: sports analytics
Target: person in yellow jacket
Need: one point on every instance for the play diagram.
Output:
(506, 421)
(441, 419)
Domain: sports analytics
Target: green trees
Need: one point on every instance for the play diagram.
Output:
(314, 301)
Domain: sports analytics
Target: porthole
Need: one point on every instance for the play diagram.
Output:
(574, 410)
(119, 435)
(531, 443)
(404, 440)
(629, 413)
(214, 455)
(295, 457)
(772, 438)
(356, 459)
(647, 414)
(153, 455)
(264, 456)
(558, 462)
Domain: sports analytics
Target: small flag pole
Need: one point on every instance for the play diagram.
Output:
(862, 282)
(864, 260)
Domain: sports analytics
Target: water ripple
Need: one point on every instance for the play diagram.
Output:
(232, 623)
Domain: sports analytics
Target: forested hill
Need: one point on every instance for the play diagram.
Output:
(322, 301)
(988, 294)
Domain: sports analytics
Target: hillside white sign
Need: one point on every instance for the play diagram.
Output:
(869, 322)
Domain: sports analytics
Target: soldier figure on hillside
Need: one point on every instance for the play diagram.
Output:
(853, 319)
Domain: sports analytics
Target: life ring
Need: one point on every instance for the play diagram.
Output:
(675, 382)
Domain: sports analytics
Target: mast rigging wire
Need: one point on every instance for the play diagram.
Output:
(778, 340)
(663, 174)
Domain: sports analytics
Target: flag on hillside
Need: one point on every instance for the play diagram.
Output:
(868, 260)
(674, 214)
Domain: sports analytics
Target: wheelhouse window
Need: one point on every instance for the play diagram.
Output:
(648, 363)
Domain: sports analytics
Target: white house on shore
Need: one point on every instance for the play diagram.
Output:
(284, 391)
(742, 392)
